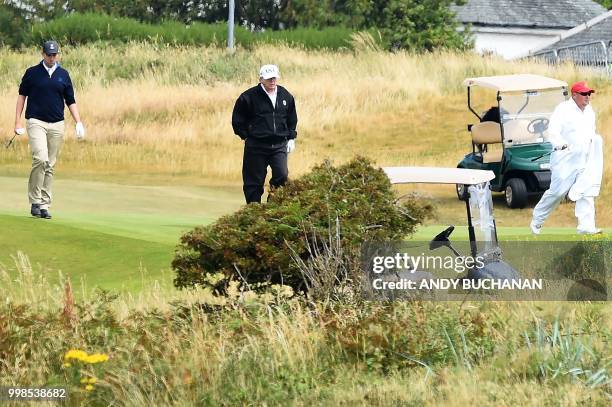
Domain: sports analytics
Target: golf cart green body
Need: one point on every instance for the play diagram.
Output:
(511, 139)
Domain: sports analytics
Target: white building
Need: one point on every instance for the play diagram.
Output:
(511, 28)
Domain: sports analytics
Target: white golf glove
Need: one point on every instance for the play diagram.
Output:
(19, 131)
(80, 131)
(290, 145)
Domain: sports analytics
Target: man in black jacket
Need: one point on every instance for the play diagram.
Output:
(264, 117)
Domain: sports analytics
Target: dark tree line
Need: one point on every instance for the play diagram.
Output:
(411, 24)
(606, 3)
(256, 13)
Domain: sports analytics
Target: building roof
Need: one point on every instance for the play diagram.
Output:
(550, 14)
(598, 29)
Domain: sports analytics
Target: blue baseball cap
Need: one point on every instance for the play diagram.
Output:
(50, 47)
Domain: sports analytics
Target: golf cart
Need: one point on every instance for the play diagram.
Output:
(511, 138)
(482, 230)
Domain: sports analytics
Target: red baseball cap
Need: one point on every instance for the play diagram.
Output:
(581, 87)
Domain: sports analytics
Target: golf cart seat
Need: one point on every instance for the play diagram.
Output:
(515, 132)
(486, 133)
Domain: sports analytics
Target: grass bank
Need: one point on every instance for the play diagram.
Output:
(186, 348)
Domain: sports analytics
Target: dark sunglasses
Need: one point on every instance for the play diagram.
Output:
(51, 55)
(585, 93)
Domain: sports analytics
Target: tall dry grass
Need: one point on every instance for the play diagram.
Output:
(176, 348)
(162, 114)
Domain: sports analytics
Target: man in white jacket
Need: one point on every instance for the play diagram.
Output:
(576, 164)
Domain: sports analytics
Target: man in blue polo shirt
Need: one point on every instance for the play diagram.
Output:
(46, 86)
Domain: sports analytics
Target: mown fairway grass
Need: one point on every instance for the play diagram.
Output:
(121, 237)
(99, 259)
(112, 236)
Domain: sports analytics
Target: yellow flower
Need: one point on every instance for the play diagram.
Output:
(96, 358)
(75, 354)
(66, 365)
(89, 387)
(84, 357)
(93, 380)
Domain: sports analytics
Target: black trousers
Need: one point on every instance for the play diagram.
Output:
(257, 157)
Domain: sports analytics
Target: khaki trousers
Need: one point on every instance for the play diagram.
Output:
(45, 140)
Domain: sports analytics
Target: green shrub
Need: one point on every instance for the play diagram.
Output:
(330, 37)
(87, 28)
(13, 26)
(256, 244)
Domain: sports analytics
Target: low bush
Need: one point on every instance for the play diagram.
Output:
(87, 28)
(330, 37)
(260, 242)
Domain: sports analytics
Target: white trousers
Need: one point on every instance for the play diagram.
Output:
(585, 207)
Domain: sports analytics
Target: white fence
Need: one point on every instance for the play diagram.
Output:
(591, 54)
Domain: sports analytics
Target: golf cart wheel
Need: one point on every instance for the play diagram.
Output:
(462, 192)
(516, 193)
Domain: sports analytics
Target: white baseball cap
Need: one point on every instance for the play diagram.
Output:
(269, 71)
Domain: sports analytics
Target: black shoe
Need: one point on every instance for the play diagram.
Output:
(45, 214)
(35, 210)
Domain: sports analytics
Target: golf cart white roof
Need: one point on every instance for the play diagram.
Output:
(514, 83)
(436, 175)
